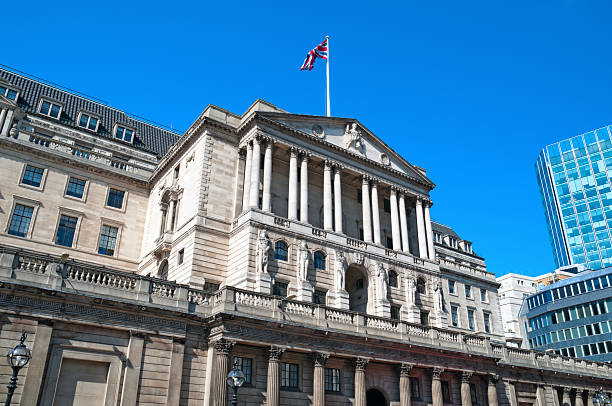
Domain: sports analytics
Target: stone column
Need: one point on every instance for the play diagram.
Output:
(7, 123)
(429, 231)
(466, 396)
(404, 384)
(436, 387)
(421, 228)
(131, 377)
(365, 205)
(37, 366)
(375, 212)
(254, 189)
(360, 386)
(176, 373)
(304, 189)
(292, 200)
(579, 401)
(318, 386)
(338, 198)
(169, 215)
(566, 397)
(590, 394)
(273, 385)
(395, 226)
(223, 348)
(511, 393)
(247, 177)
(403, 223)
(492, 390)
(2, 117)
(267, 178)
(327, 196)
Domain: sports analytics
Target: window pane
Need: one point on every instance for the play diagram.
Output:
(280, 250)
(84, 119)
(65, 231)
(108, 239)
(246, 366)
(115, 198)
(93, 122)
(45, 107)
(11, 94)
(119, 133)
(55, 110)
(128, 135)
(32, 176)
(76, 187)
(20, 222)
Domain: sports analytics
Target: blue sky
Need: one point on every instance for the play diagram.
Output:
(472, 91)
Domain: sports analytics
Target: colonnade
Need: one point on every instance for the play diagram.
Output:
(6, 119)
(332, 198)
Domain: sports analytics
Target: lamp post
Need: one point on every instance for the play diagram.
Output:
(600, 398)
(235, 379)
(17, 358)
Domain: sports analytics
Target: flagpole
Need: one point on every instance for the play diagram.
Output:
(327, 75)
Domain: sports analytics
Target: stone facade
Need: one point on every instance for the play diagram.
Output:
(301, 246)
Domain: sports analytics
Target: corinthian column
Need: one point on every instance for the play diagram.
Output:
(421, 228)
(405, 384)
(360, 387)
(327, 196)
(318, 386)
(254, 189)
(292, 200)
(403, 223)
(466, 396)
(267, 178)
(429, 231)
(338, 198)
(566, 397)
(375, 212)
(436, 387)
(492, 390)
(395, 227)
(223, 348)
(304, 190)
(273, 386)
(365, 205)
(247, 177)
(579, 401)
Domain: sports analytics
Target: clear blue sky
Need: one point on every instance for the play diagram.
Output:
(472, 91)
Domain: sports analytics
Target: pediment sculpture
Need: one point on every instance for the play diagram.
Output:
(353, 139)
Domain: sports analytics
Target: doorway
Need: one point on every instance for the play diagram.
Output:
(375, 398)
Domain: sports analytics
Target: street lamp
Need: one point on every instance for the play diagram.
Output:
(235, 379)
(600, 398)
(17, 358)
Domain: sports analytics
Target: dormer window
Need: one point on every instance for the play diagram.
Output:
(88, 122)
(123, 133)
(9, 93)
(50, 109)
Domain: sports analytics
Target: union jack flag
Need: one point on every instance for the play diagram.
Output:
(320, 51)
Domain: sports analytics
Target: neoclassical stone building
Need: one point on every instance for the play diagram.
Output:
(142, 263)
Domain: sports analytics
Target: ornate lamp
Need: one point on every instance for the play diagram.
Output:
(235, 379)
(17, 358)
(600, 398)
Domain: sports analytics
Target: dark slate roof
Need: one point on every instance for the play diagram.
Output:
(149, 137)
(444, 230)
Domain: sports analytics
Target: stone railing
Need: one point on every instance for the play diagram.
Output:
(70, 277)
(467, 268)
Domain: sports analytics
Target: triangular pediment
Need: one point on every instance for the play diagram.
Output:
(350, 135)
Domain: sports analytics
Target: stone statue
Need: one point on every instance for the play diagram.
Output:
(352, 138)
(410, 291)
(340, 270)
(438, 304)
(263, 248)
(382, 284)
(303, 261)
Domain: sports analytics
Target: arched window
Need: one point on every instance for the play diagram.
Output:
(280, 250)
(319, 260)
(393, 279)
(421, 286)
(162, 273)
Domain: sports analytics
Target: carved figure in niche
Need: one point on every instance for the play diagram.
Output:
(352, 138)
(303, 261)
(382, 284)
(340, 270)
(438, 301)
(263, 248)
(410, 291)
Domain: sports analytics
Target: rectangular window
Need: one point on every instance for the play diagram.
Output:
(32, 176)
(483, 295)
(390, 243)
(415, 388)
(487, 322)
(181, 256)
(76, 187)
(124, 134)
(468, 291)
(279, 289)
(50, 109)
(358, 195)
(177, 171)
(424, 318)
(445, 392)
(65, 230)
(246, 366)
(387, 205)
(455, 316)
(319, 297)
(108, 240)
(289, 375)
(88, 122)
(471, 320)
(451, 287)
(9, 93)
(115, 198)
(332, 379)
(395, 312)
(210, 287)
(20, 221)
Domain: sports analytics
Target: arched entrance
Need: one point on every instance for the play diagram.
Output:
(356, 284)
(375, 398)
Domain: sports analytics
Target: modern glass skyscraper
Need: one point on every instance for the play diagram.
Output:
(575, 178)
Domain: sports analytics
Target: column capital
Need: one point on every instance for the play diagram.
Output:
(328, 164)
(275, 353)
(258, 138)
(466, 376)
(375, 181)
(405, 368)
(492, 379)
(242, 153)
(320, 358)
(269, 141)
(360, 364)
(420, 200)
(294, 151)
(305, 154)
(337, 168)
(223, 346)
(365, 179)
(437, 372)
